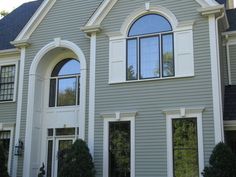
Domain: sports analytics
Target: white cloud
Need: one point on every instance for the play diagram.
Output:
(9, 5)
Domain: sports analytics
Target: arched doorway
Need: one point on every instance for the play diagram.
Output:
(53, 125)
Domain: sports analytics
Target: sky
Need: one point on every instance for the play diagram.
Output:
(9, 5)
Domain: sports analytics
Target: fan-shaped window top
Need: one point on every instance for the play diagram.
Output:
(66, 67)
(149, 24)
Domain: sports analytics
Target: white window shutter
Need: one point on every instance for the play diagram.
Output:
(184, 57)
(117, 60)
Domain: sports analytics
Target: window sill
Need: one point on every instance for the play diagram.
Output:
(63, 108)
(152, 79)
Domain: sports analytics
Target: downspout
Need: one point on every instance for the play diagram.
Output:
(228, 61)
(219, 73)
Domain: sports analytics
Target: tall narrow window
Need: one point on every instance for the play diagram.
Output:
(119, 149)
(185, 148)
(7, 80)
(150, 51)
(5, 137)
(65, 84)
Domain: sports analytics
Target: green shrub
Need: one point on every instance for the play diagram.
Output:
(77, 161)
(3, 159)
(222, 162)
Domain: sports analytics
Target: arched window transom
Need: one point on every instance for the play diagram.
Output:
(150, 49)
(65, 83)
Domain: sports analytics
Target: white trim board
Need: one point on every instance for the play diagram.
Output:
(116, 117)
(184, 113)
(35, 20)
(102, 11)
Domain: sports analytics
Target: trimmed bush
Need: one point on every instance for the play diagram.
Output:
(222, 162)
(3, 159)
(77, 161)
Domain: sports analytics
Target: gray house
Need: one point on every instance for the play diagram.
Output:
(148, 84)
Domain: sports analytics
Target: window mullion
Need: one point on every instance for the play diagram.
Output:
(76, 90)
(138, 58)
(160, 55)
(56, 92)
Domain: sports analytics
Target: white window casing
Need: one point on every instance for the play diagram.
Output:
(183, 113)
(117, 60)
(184, 57)
(116, 117)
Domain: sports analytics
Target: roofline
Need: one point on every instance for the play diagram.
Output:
(9, 51)
(106, 6)
(35, 20)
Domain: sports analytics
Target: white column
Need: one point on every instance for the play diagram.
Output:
(19, 107)
(216, 80)
(92, 93)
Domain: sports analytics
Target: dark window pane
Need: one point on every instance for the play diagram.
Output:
(185, 148)
(7, 78)
(230, 138)
(132, 59)
(49, 159)
(52, 94)
(149, 24)
(66, 67)
(65, 131)
(5, 141)
(167, 55)
(64, 146)
(149, 57)
(50, 132)
(119, 149)
(66, 92)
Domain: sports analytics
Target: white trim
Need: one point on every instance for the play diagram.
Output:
(19, 106)
(31, 93)
(116, 117)
(183, 113)
(35, 20)
(141, 11)
(9, 127)
(102, 11)
(9, 52)
(216, 83)
(92, 93)
(228, 63)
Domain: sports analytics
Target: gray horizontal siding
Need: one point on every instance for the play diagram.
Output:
(64, 20)
(232, 53)
(151, 97)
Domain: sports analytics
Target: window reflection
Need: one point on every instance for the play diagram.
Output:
(185, 148)
(66, 92)
(150, 51)
(149, 24)
(149, 57)
(132, 59)
(64, 84)
(167, 55)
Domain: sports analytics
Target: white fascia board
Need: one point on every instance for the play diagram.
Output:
(107, 5)
(6, 52)
(101, 12)
(35, 20)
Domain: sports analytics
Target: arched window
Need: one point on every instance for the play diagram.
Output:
(150, 51)
(65, 83)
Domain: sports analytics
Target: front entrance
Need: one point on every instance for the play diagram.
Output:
(59, 141)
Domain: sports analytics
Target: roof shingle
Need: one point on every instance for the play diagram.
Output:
(12, 24)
